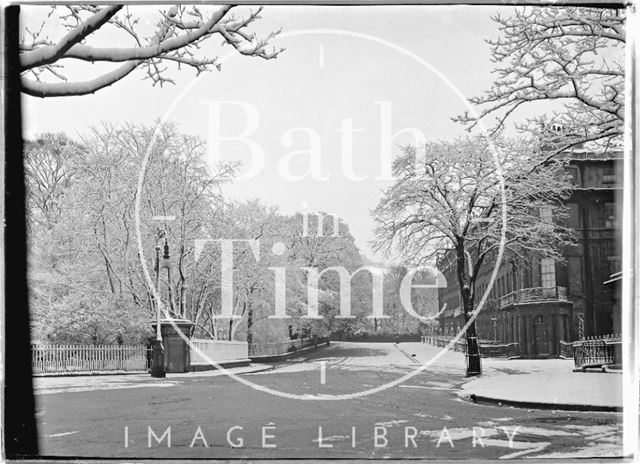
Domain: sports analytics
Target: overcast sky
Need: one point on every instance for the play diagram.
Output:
(340, 63)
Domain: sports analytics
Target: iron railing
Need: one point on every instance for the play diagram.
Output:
(594, 352)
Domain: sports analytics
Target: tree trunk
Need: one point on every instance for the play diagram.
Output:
(172, 305)
(473, 350)
(466, 283)
(250, 327)
(231, 329)
(107, 267)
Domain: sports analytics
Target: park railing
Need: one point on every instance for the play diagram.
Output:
(594, 352)
(488, 349)
(50, 359)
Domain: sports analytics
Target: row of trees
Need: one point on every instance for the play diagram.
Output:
(86, 279)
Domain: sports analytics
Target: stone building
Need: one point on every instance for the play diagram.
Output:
(540, 305)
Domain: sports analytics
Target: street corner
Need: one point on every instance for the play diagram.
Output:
(568, 391)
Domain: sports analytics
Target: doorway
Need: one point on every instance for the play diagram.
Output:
(541, 336)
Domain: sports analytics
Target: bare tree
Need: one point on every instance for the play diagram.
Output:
(179, 33)
(49, 164)
(88, 247)
(447, 201)
(325, 245)
(573, 55)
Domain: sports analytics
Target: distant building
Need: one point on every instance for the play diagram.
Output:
(539, 305)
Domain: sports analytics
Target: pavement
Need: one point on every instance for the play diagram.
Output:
(530, 383)
(83, 383)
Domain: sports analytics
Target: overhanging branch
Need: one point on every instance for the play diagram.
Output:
(51, 53)
(62, 89)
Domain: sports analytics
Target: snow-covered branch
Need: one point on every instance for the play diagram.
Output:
(572, 55)
(177, 38)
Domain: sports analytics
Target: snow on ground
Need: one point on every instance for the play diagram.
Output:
(561, 388)
(522, 378)
(604, 441)
(351, 356)
(79, 383)
(545, 380)
(455, 360)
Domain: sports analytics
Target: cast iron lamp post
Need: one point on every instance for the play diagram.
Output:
(157, 369)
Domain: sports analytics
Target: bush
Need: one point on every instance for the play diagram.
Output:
(96, 320)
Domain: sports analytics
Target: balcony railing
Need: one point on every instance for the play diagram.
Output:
(524, 295)
(533, 294)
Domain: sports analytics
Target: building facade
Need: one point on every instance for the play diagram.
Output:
(541, 304)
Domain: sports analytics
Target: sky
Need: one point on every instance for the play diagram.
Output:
(353, 85)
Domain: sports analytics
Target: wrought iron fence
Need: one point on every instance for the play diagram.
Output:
(88, 358)
(597, 352)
